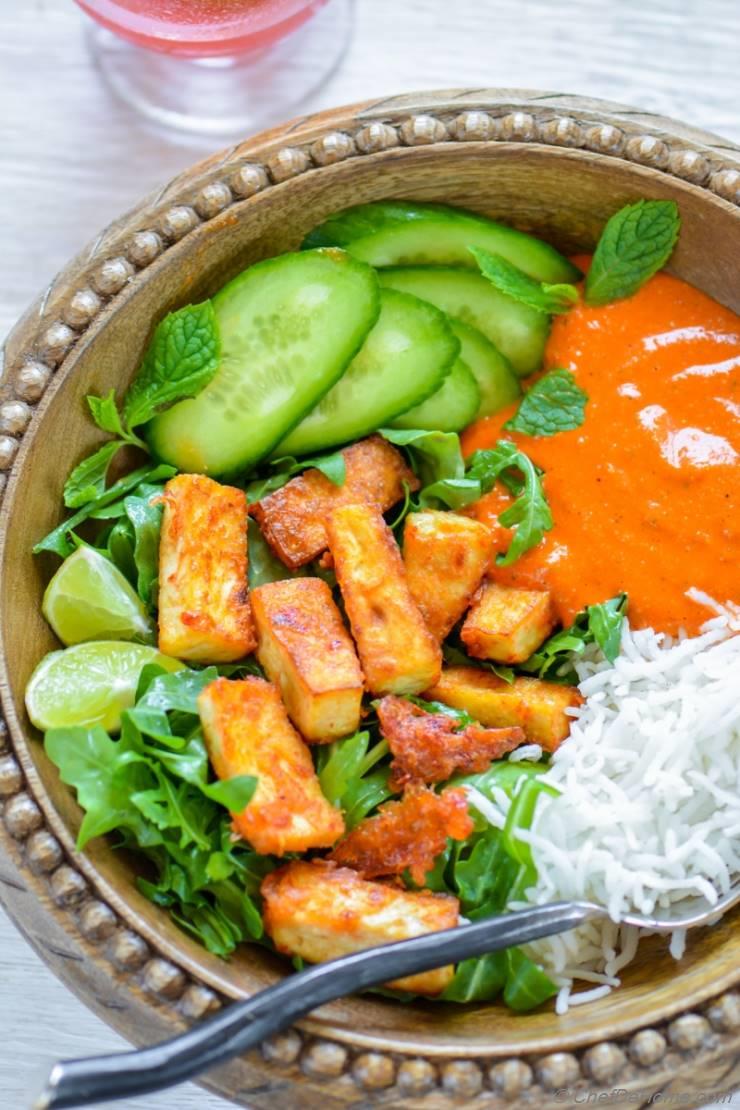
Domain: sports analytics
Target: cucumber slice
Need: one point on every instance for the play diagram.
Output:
(288, 328)
(497, 382)
(399, 233)
(451, 408)
(403, 361)
(519, 332)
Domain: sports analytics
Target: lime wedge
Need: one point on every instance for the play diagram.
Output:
(89, 599)
(89, 684)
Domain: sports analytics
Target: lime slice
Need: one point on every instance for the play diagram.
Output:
(89, 684)
(89, 599)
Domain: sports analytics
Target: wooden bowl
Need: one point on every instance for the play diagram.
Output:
(555, 165)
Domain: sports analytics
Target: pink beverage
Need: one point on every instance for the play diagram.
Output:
(202, 28)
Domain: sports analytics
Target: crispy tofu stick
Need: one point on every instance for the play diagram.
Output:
(536, 706)
(204, 610)
(293, 519)
(319, 911)
(398, 653)
(431, 747)
(507, 624)
(445, 556)
(306, 651)
(247, 732)
(409, 834)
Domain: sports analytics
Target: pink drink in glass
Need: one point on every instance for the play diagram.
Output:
(202, 28)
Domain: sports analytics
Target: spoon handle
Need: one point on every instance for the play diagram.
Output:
(243, 1025)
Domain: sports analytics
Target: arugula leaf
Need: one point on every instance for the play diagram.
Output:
(332, 466)
(87, 481)
(264, 565)
(105, 413)
(555, 403)
(636, 242)
(435, 456)
(510, 280)
(461, 716)
(530, 514)
(597, 624)
(527, 985)
(151, 786)
(605, 624)
(478, 980)
(457, 658)
(146, 524)
(179, 362)
(58, 539)
(350, 778)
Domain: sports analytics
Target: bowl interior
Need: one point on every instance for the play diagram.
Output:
(563, 195)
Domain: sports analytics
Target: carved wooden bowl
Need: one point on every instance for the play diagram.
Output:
(555, 165)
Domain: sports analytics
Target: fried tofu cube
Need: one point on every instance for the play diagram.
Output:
(536, 706)
(204, 610)
(397, 651)
(248, 732)
(507, 624)
(445, 556)
(293, 519)
(321, 912)
(306, 651)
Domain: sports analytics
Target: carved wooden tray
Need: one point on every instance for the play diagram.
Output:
(555, 164)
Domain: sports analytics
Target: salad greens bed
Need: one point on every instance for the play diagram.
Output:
(151, 787)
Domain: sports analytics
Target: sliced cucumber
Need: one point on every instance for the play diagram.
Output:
(497, 382)
(402, 362)
(451, 408)
(399, 233)
(519, 332)
(288, 328)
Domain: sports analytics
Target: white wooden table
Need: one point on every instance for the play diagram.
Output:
(72, 158)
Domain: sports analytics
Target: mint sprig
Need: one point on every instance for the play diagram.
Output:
(636, 242)
(555, 403)
(513, 282)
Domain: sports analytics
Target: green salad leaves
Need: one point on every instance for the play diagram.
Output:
(637, 241)
(447, 482)
(555, 403)
(152, 787)
(598, 624)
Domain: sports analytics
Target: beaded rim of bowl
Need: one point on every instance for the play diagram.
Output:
(652, 1054)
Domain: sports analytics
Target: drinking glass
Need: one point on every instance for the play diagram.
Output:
(217, 67)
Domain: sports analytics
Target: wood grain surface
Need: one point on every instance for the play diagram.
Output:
(72, 158)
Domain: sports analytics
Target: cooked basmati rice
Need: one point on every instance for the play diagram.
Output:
(650, 806)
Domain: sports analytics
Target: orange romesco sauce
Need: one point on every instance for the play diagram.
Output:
(645, 495)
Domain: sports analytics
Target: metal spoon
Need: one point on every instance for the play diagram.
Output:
(243, 1025)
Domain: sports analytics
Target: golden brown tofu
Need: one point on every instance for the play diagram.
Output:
(320, 912)
(293, 519)
(397, 651)
(247, 732)
(507, 624)
(536, 706)
(306, 651)
(204, 610)
(445, 556)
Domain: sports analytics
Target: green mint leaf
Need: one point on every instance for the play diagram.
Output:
(87, 481)
(636, 242)
(555, 403)
(106, 415)
(58, 540)
(514, 283)
(605, 624)
(180, 361)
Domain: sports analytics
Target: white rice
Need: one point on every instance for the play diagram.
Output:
(650, 806)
